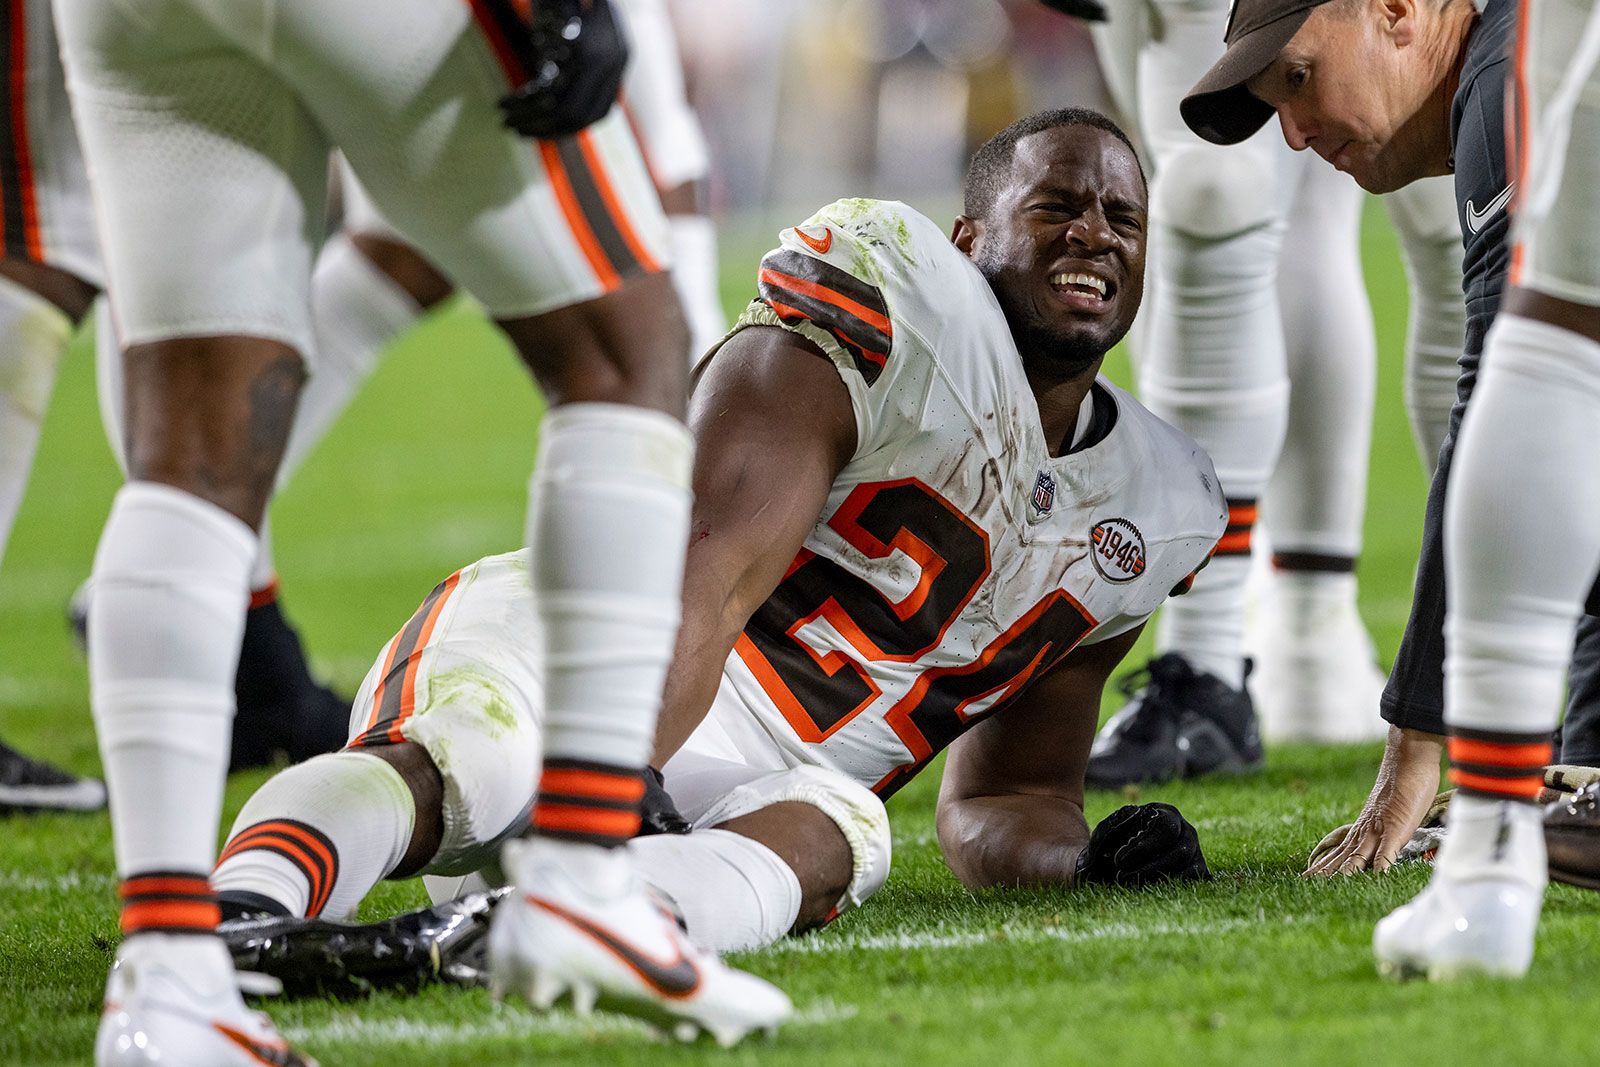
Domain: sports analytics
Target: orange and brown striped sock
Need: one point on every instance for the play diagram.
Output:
(168, 902)
(310, 851)
(1241, 525)
(593, 803)
(1502, 766)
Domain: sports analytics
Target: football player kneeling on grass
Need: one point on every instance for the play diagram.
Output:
(921, 520)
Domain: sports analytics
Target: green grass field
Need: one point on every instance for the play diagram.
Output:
(428, 471)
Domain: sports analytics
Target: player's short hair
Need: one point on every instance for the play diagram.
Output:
(991, 163)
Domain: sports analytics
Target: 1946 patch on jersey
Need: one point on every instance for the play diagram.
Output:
(1117, 550)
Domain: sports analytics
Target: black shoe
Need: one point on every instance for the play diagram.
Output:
(1178, 723)
(281, 708)
(445, 943)
(30, 785)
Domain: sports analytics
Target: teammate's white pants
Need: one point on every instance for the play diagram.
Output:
(1424, 217)
(1240, 310)
(33, 338)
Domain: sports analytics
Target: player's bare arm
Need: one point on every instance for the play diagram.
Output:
(1011, 802)
(773, 427)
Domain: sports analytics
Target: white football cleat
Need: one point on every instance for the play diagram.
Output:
(580, 925)
(173, 1000)
(1316, 672)
(1479, 913)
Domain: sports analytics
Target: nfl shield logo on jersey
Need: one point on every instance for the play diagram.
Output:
(1044, 494)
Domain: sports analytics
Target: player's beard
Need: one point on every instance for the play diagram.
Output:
(1048, 352)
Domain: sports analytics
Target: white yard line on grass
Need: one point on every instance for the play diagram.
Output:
(514, 1022)
(16, 881)
(1018, 935)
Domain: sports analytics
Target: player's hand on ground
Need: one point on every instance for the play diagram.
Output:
(1138, 845)
(575, 53)
(1091, 10)
(1408, 779)
(657, 812)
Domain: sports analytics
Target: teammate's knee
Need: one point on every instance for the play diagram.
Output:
(630, 346)
(406, 267)
(69, 293)
(782, 810)
(211, 416)
(1212, 193)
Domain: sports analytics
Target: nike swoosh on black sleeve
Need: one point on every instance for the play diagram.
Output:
(799, 287)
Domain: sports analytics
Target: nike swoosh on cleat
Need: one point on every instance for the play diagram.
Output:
(819, 246)
(675, 978)
(271, 1055)
(1476, 219)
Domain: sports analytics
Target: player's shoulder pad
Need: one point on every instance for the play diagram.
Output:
(1175, 470)
(850, 271)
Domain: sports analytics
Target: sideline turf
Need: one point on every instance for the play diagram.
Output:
(427, 472)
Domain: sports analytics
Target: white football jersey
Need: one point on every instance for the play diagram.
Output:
(957, 560)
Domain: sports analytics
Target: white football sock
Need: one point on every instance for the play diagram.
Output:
(170, 580)
(1316, 499)
(108, 381)
(608, 525)
(1214, 368)
(357, 310)
(694, 276)
(1424, 217)
(1522, 532)
(1491, 838)
(733, 891)
(319, 835)
(33, 337)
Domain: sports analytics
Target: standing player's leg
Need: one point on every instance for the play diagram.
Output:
(180, 128)
(1522, 534)
(49, 274)
(1425, 219)
(674, 148)
(563, 243)
(1212, 363)
(1316, 675)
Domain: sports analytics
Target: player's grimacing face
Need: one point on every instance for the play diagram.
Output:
(1063, 247)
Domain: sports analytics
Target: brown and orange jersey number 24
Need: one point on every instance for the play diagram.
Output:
(819, 694)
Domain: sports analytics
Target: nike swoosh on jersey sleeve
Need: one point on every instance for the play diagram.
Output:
(798, 287)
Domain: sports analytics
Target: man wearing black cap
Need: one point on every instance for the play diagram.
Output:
(1390, 91)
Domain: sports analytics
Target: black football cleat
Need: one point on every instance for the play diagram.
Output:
(313, 957)
(1178, 723)
(282, 709)
(30, 785)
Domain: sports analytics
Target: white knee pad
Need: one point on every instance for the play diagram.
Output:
(854, 809)
(1210, 192)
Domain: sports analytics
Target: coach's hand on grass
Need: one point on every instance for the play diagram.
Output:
(575, 54)
(1408, 778)
(1140, 845)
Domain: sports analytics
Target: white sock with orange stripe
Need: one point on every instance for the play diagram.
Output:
(170, 579)
(1206, 624)
(318, 836)
(609, 526)
(33, 336)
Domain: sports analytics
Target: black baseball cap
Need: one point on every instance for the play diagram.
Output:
(1219, 108)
